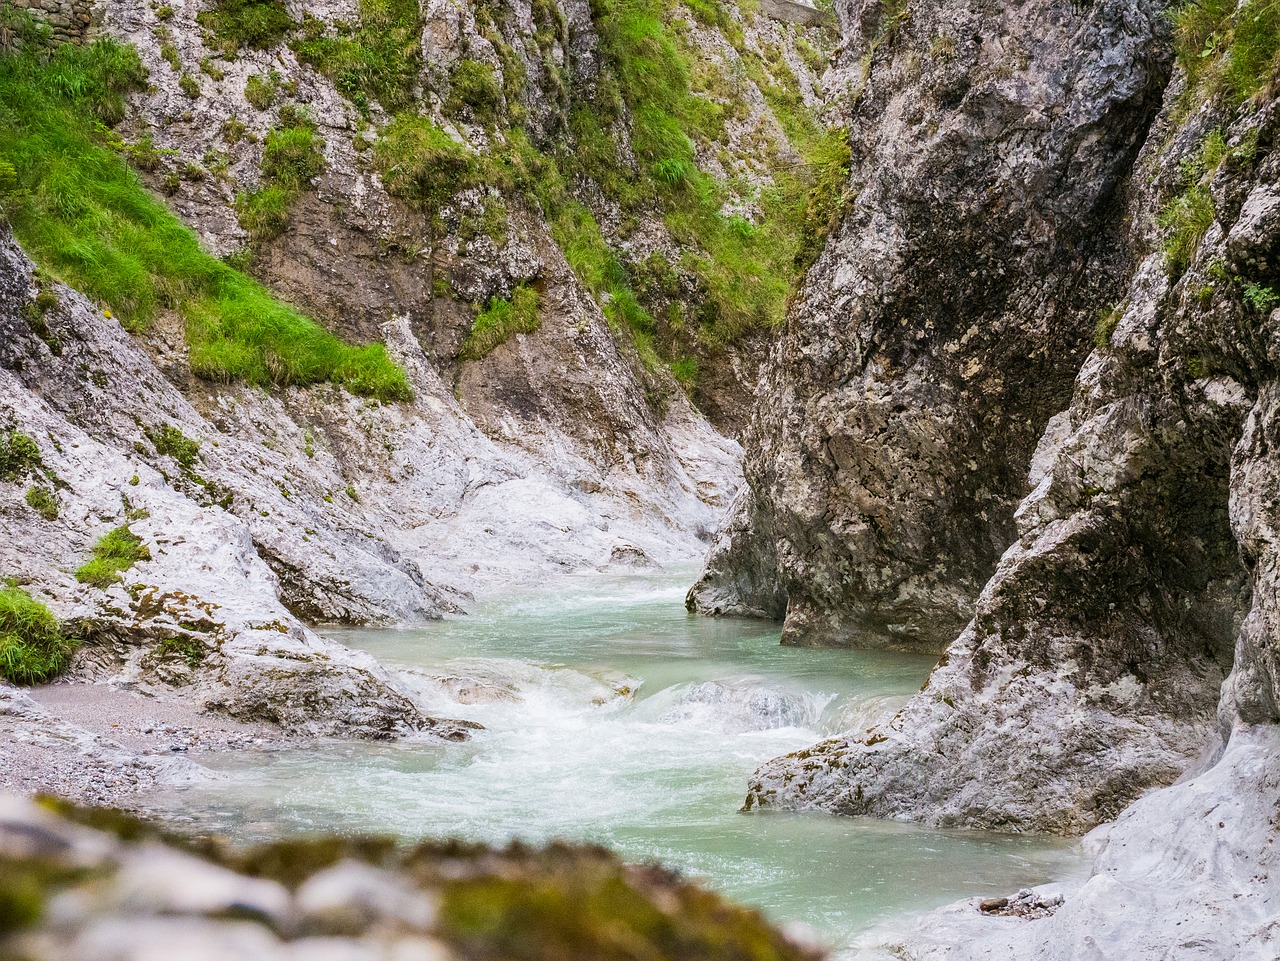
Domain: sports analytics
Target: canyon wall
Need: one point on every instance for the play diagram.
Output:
(1051, 453)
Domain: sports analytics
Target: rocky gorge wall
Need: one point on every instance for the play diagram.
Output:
(1122, 504)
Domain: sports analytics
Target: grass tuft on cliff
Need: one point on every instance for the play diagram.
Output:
(116, 551)
(33, 649)
(380, 59)
(81, 212)
(501, 320)
(1228, 49)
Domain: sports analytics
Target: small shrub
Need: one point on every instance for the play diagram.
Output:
(43, 502)
(33, 649)
(189, 86)
(498, 322)
(169, 54)
(19, 455)
(169, 441)
(351, 492)
(115, 551)
(1260, 298)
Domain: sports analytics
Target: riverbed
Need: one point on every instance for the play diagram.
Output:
(612, 716)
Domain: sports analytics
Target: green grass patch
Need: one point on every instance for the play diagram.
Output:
(501, 320)
(169, 441)
(380, 59)
(19, 455)
(261, 89)
(80, 212)
(116, 551)
(747, 274)
(291, 155)
(1229, 50)
(474, 90)
(43, 502)
(291, 159)
(1187, 217)
(1189, 214)
(423, 165)
(33, 649)
(264, 212)
(231, 24)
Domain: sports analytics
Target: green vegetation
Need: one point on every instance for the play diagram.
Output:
(169, 441)
(1228, 50)
(1187, 217)
(1260, 298)
(37, 311)
(264, 212)
(500, 320)
(43, 502)
(116, 551)
(424, 166)
(188, 649)
(379, 60)
(19, 455)
(474, 90)
(252, 23)
(291, 155)
(1108, 321)
(261, 89)
(1189, 214)
(291, 158)
(746, 273)
(575, 907)
(81, 212)
(32, 647)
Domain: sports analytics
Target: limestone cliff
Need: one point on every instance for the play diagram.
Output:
(1126, 636)
(944, 323)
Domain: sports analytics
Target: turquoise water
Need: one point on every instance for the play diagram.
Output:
(612, 716)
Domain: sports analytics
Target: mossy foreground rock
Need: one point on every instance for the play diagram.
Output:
(91, 884)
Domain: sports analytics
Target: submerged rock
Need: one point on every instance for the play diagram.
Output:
(744, 708)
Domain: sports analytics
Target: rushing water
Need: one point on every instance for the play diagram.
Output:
(612, 716)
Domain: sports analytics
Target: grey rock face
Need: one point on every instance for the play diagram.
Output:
(1190, 871)
(1144, 570)
(944, 324)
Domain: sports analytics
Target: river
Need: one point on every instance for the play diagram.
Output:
(612, 716)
